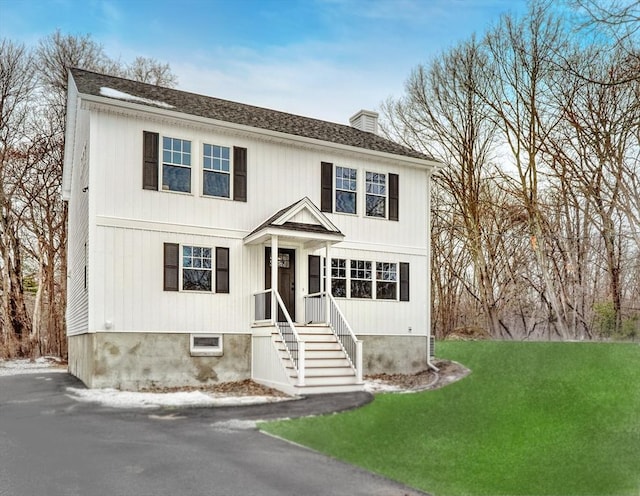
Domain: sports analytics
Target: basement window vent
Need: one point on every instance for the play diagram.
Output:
(206, 345)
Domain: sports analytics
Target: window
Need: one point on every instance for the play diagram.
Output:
(205, 345)
(376, 198)
(216, 165)
(176, 165)
(361, 279)
(346, 186)
(386, 281)
(355, 279)
(196, 268)
(339, 277)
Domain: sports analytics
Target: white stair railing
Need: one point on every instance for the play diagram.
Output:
(293, 344)
(316, 312)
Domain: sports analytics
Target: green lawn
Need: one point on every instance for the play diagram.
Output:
(531, 419)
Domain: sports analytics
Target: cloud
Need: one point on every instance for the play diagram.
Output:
(295, 80)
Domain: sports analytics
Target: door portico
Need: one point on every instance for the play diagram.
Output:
(294, 233)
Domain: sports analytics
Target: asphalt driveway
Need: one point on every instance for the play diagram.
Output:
(53, 445)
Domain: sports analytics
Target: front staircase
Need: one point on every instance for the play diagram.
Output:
(323, 356)
(327, 368)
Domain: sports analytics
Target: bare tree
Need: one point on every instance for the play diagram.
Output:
(33, 222)
(443, 114)
(519, 67)
(151, 71)
(17, 83)
(598, 151)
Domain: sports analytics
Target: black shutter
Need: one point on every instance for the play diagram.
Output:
(326, 193)
(171, 252)
(404, 281)
(314, 274)
(150, 160)
(239, 174)
(394, 196)
(222, 270)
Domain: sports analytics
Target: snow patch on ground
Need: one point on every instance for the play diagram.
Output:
(42, 365)
(130, 399)
(120, 95)
(378, 386)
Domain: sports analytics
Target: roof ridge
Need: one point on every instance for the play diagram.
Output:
(91, 82)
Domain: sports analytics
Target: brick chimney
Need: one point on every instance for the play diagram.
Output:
(365, 120)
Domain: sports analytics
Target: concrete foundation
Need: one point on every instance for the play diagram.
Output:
(132, 361)
(394, 354)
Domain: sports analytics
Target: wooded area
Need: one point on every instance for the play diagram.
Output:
(33, 220)
(535, 218)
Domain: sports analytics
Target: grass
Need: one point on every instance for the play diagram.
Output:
(531, 419)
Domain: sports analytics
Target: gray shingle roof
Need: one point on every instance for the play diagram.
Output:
(90, 83)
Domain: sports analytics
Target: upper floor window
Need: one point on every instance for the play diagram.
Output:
(216, 165)
(376, 197)
(346, 186)
(166, 166)
(176, 165)
(339, 192)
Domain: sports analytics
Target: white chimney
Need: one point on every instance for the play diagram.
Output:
(365, 120)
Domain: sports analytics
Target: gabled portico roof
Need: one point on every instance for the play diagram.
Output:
(301, 221)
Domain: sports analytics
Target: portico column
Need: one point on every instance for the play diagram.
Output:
(274, 276)
(327, 278)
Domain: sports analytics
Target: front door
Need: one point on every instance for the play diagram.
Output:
(286, 279)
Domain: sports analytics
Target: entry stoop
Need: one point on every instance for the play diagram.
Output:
(327, 368)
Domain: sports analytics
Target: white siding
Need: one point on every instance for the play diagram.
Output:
(77, 294)
(130, 225)
(128, 281)
(371, 316)
(278, 175)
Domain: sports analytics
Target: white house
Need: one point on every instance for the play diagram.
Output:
(176, 203)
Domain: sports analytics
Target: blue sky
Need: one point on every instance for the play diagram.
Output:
(320, 58)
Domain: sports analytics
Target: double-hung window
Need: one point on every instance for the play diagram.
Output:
(196, 268)
(386, 281)
(339, 277)
(346, 186)
(176, 165)
(361, 279)
(216, 165)
(376, 194)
